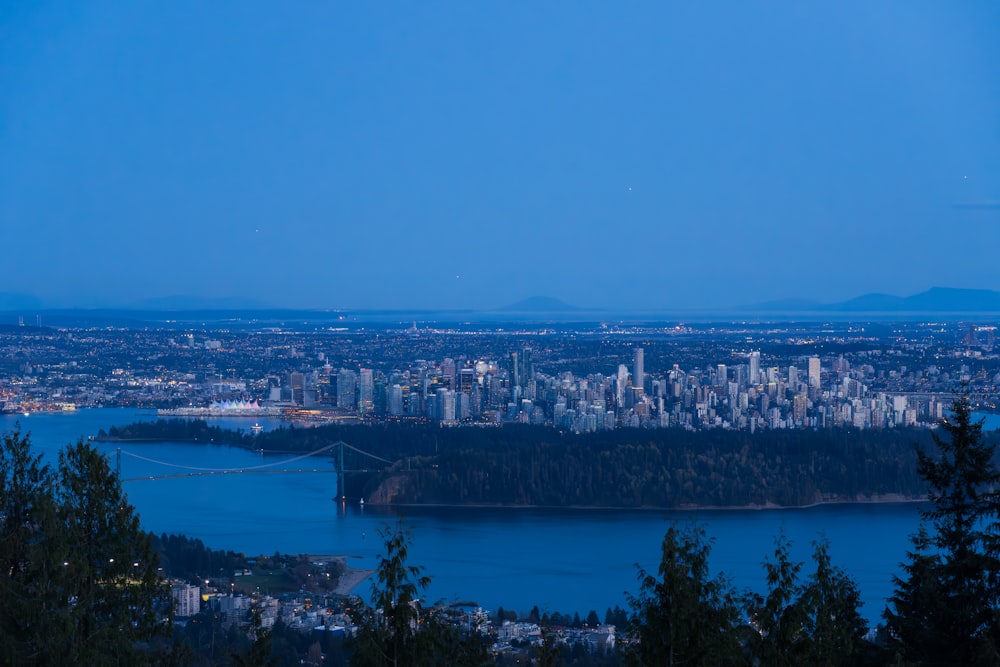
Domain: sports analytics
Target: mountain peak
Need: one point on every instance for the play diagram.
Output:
(935, 299)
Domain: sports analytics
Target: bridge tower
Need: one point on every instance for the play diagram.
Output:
(341, 488)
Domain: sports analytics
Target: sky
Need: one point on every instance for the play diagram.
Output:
(389, 155)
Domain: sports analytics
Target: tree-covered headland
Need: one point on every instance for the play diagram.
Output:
(535, 465)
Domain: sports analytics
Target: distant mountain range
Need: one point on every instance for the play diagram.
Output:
(539, 304)
(934, 300)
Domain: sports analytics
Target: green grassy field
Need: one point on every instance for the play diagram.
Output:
(273, 583)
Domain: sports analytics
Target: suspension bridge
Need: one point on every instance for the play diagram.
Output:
(337, 450)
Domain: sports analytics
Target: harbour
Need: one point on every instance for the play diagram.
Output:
(562, 559)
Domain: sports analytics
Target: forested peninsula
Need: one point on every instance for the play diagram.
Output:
(521, 465)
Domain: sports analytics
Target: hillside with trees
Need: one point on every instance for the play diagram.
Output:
(668, 468)
(533, 465)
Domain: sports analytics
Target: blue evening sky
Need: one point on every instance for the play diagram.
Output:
(639, 155)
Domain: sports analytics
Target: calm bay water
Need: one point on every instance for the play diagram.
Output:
(561, 560)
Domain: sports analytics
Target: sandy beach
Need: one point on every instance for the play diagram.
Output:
(351, 579)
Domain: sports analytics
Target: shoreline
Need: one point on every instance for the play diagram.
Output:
(887, 499)
(351, 579)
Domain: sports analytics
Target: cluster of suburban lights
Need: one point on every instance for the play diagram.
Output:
(110, 560)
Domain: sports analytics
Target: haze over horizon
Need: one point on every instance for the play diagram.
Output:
(469, 156)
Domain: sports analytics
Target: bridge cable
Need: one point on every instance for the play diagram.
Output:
(258, 467)
(360, 451)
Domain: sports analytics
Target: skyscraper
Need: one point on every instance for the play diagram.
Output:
(446, 406)
(448, 372)
(814, 371)
(347, 387)
(754, 367)
(527, 371)
(297, 381)
(395, 400)
(638, 373)
(366, 404)
(620, 384)
(466, 378)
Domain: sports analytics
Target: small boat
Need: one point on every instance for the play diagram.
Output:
(256, 428)
(362, 501)
(26, 414)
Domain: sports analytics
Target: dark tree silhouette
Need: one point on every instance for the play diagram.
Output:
(831, 605)
(34, 609)
(115, 586)
(778, 618)
(681, 615)
(398, 630)
(945, 608)
(80, 583)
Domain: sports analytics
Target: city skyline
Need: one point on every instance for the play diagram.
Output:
(640, 158)
(581, 378)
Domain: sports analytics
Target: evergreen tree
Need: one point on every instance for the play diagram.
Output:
(34, 603)
(118, 600)
(681, 615)
(914, 617)
(813, 623)
(79, 584)
(260, 653)
(831, 605)
(617, 617)
(534, 616)
(779, 618)
(548, 651)
(397, 630)
(387, 631)
(945, 608)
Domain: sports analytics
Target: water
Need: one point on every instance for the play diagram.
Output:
(991, 421)
(561, 560)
